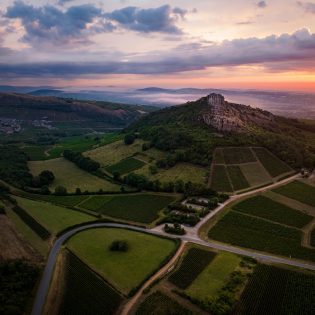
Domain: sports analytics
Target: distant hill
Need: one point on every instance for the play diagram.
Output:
(28, 107)
(198, 127)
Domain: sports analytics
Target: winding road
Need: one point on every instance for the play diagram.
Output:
(191, 236)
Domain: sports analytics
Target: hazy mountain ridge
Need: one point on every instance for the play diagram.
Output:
(28, 107)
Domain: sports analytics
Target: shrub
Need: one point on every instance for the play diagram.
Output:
(129, 139)
(60, 191)
(118, 246)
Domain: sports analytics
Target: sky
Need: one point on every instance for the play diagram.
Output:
(246, 44)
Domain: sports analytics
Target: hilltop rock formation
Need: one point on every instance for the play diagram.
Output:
(229, 117)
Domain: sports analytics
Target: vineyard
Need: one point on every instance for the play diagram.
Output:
(238, 179)
(159, 303)
(220, 179)
(85, 292)
(238, 155)
(242, 230)
(32, 223)
(125, 166)
(194, 262)
(266, 208)
(272, 290)
(143, 208)
(272, 164)
(298, 191)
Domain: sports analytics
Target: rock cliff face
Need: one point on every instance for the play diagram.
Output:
(229, 117)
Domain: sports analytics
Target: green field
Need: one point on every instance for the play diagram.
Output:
(214, 276)
(68, 201)
(181, 171)
(160, 304)
(272, 164)
(82, 143)
(238, 155)
(299, 191)
(125, 166)
(115, 152)
(269, 209)
(238, 180)
(143, 208)
(273, 290)
(29, 235)
(220, 179)
(124, 270)
(68, 175)
(218, 157)
(193, 263)
(246, 231)
(85, 292)
(35, 153)
(255, 174)
(53, 218)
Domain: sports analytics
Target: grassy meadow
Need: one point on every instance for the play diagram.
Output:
(53, 218)
(68, 175)
(124, 270)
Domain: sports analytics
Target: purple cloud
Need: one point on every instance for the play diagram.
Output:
(273, 52)
(262, 4)
(162, 19)
(307, 6)
(51, 25)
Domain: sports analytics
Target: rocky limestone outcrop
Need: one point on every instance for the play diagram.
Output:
(229, 117)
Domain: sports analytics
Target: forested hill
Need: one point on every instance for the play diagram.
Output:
(28, 107)
(198, 127)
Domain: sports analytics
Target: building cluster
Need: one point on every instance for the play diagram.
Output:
(9, 126)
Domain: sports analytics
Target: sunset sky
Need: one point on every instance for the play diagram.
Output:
(138, 43)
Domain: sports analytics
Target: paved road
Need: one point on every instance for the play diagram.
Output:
(192, 236)
(48, 271)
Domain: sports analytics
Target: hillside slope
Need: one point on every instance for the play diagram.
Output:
(198, 127)
(27, 107)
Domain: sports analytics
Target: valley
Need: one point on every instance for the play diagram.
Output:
(185, 210)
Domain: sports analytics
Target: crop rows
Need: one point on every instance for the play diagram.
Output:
(220, 179)
(242, 230)
(272, 290)
(85, 292)
(299, 191)
(266, 208)
(125, 166)
(41, 231)
(194, 262)
(272, 164)
(237, 177)
(142, 208)
(238, 155)
(159, 303)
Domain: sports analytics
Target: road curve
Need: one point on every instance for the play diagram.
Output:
(48, 271)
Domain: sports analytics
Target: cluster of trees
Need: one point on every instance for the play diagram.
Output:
(190, 219)
(18, 280)
(13, 166)
(43, 180)
(174, 229)
(81, 161)
(190, 189)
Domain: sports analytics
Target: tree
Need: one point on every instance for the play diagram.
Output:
(119, 246)
(129, 139)
(46, 177)
(60, 191)
(45, 190)
(78, 191)
(116, 175)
